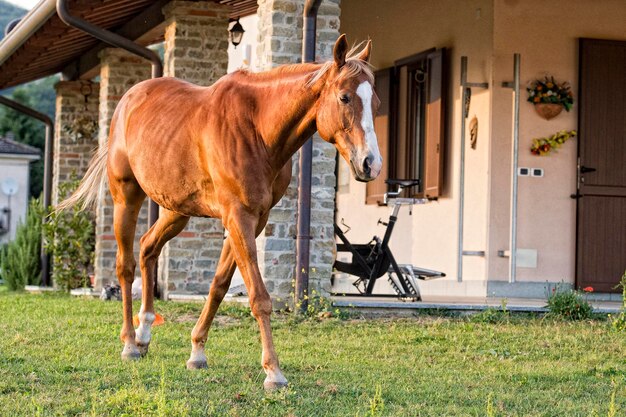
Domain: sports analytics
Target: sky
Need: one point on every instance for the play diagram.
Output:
(24, 4)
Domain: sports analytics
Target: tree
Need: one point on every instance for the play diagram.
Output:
(39, 95)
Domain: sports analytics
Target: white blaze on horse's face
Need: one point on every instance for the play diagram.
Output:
(368, 157)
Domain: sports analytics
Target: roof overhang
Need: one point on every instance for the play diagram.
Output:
(19, 157)
(41, 44)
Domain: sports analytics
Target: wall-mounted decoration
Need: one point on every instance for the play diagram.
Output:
(550, 97)
(83, 126)
(543, 146)
(473, 127)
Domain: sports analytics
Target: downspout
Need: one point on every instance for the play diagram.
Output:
(47, 173)
(303, 237)
(119, 42)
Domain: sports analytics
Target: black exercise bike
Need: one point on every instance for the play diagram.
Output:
(372, 260)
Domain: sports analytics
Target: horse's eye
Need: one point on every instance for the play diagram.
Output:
(344, 98)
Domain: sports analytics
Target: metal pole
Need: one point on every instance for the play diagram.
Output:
(466, 96)
(120, 42)
(513, 245)
(47, 173)
(459, 260)
(303, 238)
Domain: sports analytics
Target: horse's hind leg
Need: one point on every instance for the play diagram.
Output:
(125, 215)
(167, 227)
(219, 287)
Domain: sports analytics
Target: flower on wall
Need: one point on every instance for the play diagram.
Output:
(543, 146)
(549, 91)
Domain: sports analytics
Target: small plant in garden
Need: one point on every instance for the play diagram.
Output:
(321, 307)
(570, 305)
(69, 237)
(20, 262)
(619, 322)
(550, 92)
(492, 315)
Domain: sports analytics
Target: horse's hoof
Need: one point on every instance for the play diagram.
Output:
(143, 349)
(191, 365)
(131, 353)
(274, 385)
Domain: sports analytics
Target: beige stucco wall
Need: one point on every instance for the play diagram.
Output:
(546, 34)
(429, 237)
(489, 32)
(15, 167)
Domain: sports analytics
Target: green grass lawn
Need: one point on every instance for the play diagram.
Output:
(60, 356)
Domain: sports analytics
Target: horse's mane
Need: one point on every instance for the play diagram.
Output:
(352, 68)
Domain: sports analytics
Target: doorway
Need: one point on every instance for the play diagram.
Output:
(601, 207)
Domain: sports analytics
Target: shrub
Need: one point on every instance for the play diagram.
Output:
(20, 259)
(570, 305)
(69, 238)
(619, 322)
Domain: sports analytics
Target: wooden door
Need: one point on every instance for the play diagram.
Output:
(601, 219)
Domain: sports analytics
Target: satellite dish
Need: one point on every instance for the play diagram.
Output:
(9, 186)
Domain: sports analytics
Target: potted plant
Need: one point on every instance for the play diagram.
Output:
(550, 97)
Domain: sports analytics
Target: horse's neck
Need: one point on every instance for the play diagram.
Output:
(287, 114)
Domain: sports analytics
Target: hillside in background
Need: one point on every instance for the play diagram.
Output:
(38, 94)
(9, 12)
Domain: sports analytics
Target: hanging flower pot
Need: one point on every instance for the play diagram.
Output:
(550, 97)
(548, 110)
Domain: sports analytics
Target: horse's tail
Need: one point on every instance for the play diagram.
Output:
(89, 188)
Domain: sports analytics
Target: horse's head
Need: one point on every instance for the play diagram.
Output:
(346, 110)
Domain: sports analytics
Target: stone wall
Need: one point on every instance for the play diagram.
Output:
(119, 71)
(196, 44)
(76, 104)
(280, 42)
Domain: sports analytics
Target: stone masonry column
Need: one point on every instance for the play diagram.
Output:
(75, 131)
(119, 71)
(280, 42)
(196, 44)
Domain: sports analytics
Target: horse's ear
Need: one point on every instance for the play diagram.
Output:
(364, 55)
(340, 51)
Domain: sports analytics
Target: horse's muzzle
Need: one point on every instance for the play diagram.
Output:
(368, 169)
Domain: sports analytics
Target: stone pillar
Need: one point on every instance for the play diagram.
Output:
(75, 131)
(119, 70)
(196, 43)
(280, 42)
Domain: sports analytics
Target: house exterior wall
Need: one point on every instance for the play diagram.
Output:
(71, 155)
(244, 55)
(428, 238)
(489, 33)
(16, 167)
(546, 35)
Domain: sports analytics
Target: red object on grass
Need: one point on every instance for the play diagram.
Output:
(158, 320)
(588, 289)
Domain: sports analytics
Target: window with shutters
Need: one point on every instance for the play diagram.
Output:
(410, 124)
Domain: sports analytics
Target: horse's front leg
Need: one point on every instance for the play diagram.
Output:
(242, 226)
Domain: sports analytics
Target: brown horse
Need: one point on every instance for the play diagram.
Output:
(225, 152)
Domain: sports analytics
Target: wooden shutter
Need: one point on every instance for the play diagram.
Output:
(376, 189)
(435, 123)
